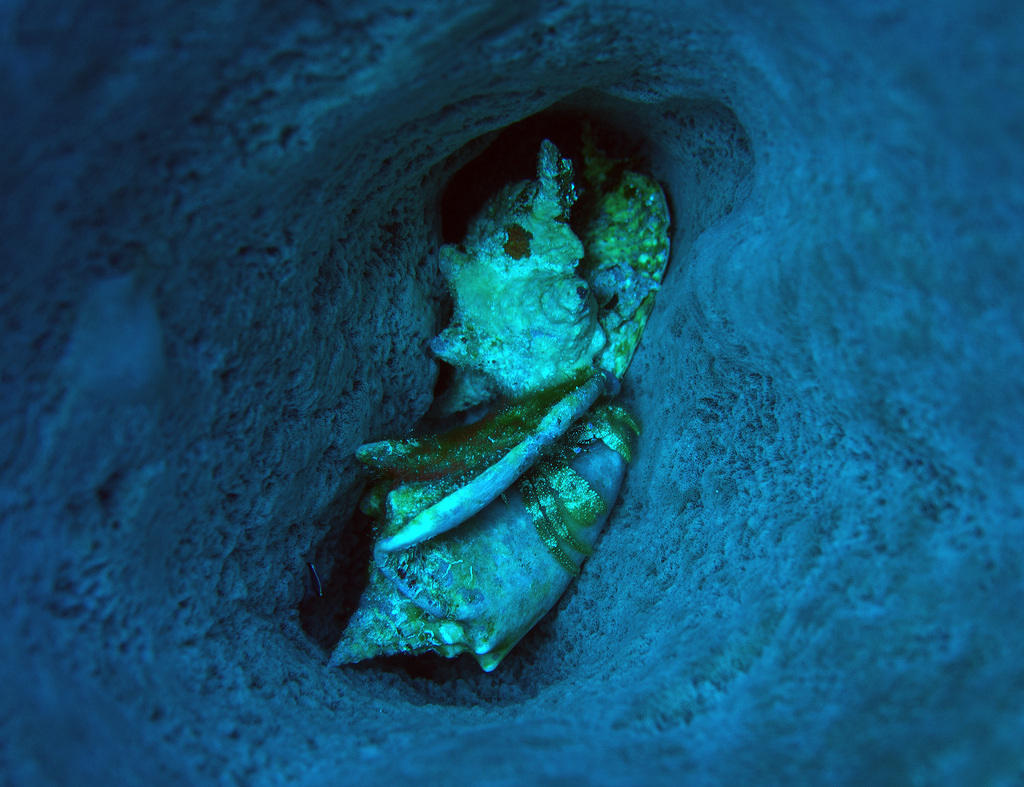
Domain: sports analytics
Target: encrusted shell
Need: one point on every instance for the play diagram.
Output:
(627, 249)
(524, 320)
(478, 588)
(478, 531)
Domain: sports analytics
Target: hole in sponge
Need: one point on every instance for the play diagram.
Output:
(703, 159)
(512, 156)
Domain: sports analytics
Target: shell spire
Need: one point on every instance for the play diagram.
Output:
(387, 624)
(524, 320)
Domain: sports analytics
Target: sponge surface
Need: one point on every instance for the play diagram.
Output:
(219, 277)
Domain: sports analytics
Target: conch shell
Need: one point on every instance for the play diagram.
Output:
(479, 587)
(523, 320)
(479, 530)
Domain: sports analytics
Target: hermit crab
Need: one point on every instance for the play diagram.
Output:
(479, 530)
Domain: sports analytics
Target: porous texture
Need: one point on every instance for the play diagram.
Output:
(219, 277)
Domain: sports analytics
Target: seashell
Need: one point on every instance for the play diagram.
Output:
(523, 319)
(627, 249)
(468, 498)
(479, 587)
(479, 530)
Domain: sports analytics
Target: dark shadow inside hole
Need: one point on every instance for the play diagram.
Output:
(349, 542)
(512, 156)
(445, 373)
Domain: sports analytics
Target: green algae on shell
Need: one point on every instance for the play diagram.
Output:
(626, 245)
(479, 588)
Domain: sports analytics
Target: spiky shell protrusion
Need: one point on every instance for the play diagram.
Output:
(524, 321)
